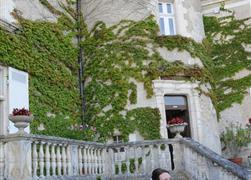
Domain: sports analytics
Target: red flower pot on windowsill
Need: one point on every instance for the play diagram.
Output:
(176, 125)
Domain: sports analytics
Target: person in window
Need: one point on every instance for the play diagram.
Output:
(160, 174)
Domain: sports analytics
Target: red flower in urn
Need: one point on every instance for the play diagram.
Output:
(21, 119)
(21, 112)
(176, 125)
(176, 120)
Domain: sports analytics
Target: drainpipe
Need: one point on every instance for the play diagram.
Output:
(80, 62)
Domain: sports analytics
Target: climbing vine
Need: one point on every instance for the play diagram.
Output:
(227, 39)
(120, 57)
(117, 59)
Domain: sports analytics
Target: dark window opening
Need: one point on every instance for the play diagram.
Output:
(176, 106)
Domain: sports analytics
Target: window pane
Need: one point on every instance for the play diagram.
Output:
(171, 26)
(160, 8)
(169, 8)
(175, 100)
(162, 26)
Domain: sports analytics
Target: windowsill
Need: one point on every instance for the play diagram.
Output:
(167, 35)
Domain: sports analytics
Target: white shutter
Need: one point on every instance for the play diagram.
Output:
(18, 93)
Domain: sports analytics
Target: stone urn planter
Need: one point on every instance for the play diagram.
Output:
(177, 129)
(21, 122)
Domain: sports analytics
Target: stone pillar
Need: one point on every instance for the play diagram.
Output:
(159, 94)
(18, 160)
(4, 109)
(74, 160)
(178, 152)
(197, 122)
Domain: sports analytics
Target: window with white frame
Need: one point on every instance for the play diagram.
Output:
(166, 18)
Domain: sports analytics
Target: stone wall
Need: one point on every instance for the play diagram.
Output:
(29, 9)
(209, 125)
(188, 23)
(188, 18)
(242, 8)
(112, 12)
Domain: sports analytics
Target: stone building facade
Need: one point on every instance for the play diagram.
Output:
(185, 19)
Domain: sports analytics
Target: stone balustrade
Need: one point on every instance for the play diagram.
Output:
(202, 163)
(26, 157)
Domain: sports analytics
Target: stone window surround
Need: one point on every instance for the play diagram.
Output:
(172, 87)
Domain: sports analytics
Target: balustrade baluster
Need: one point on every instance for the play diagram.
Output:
(69, 165)
(136, 160)
(64, 159)
(41, 159)
(34, 160)
(159, 156)
(119, 163)
(96, 161)
(166, 157)
(127, 151)
(59, 163)
(53, 160)
(85, 160)
(143, 170)
(104, 161)
(111, 155)
(92, 160)
(100, 164)
(151, 147)
(80, 160)
(47, 159)
(88, 160)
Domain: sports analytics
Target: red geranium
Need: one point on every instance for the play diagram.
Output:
(176, 120)
(21, 112)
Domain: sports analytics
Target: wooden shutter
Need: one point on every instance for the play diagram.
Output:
(18, 90)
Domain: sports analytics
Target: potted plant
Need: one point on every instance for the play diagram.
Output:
(21, 119)
(234, 138)
(176, 125)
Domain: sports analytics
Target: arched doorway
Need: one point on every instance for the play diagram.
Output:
(177, 106)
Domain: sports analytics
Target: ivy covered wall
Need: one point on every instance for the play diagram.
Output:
(116, 57)
(227, 41)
